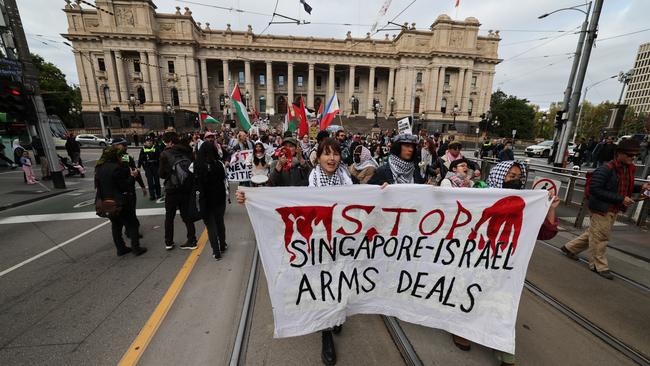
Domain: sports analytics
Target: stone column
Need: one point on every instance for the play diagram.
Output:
(331, 84)
(399, 89)
(350, 87)
(424, 97)
(192, 82)
(432, 89)
(110, 73)
(289, 82)
(488, 91)
(146, 79)
(248, 82)
(156, 84)
(121, 76)
(226, 78)
(204, 84)
(441, 84)
(371, 93)
(466, 90)
(270, 96)
(84, 80)
(458, 93)
(408, 79)
(389, 92)
(310, 87)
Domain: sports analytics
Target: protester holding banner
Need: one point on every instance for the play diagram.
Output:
(458, 175)
(290, 169)
(400, 167)
(364, 165)
(211, 180)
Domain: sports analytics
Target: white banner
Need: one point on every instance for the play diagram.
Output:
(238, 171)
(423, 254)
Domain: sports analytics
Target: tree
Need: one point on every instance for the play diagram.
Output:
(514, 114)
(58, 96)
(633, 122)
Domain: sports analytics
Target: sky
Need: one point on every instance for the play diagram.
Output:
(536, 53)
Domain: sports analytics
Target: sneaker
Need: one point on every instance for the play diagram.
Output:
(126, 250)
(169, 246)
(138, 251)
(189, 245)
(606, 273)
(217, 257)
(569, 254)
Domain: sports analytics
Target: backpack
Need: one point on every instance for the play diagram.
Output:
(180, 176)
(589, 176)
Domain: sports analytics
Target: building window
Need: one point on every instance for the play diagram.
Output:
(101, 64)
(136, 65)
(263, 104)
(262, 80)
(175, 101)
(418, 78)
(107, 95)
(443, 105)
(242, 78)
(141, 96)
(470, 107)
(281, 81)
(416, 105)
(319, 81)
(337, 83)
(474, 78)
(447, 78)
(300, 81)
(170, 67)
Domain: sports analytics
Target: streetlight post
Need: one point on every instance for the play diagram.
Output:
(377, 108)
(584, 99)
(99, 101)
(133, 102)
(542, 121)
(392, 105)
(624, 78)
(454, 113)
(75, 113)
(170, 116)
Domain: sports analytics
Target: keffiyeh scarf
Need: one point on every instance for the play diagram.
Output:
(402, 170)
(318, 177)
(499, 172)
(366, 159)
(458, 181)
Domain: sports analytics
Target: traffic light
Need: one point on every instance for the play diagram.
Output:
(14, 101)
(558, 119)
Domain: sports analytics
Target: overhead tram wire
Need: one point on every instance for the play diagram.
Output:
(622, 35)
(387, 24)
(534, 71)
(538, 46)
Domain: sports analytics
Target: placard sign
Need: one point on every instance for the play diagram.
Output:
(238, 171)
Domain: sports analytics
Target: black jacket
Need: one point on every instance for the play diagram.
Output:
(114, 181)
(210, 178)
(606, 152)
(72, 146)
(603, 190)
(383, 175)
(167, 158)
(149, 159)
(506, 155)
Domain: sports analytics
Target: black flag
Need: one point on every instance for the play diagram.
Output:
(306, 6)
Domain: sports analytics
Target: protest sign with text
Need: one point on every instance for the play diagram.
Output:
(238, 171)
(446, 258)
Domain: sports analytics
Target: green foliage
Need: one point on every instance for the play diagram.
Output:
(513, 114)
(633, 122)
(58, 96)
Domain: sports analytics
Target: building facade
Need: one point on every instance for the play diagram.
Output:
(638, 90)
(153, 66)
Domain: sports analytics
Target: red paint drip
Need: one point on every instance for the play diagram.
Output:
(505, 215)
(303, 219)
(371, 233)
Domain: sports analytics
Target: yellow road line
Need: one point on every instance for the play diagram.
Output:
(137, 348)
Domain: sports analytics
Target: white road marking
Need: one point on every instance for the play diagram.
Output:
(15, 267)
(587, 221)
(71, 216)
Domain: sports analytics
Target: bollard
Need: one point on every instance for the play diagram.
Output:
(584, 207)
(572, 184)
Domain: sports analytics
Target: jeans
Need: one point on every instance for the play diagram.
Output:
(216, 228)
(153, 180)
(180, 201)
(127, 218)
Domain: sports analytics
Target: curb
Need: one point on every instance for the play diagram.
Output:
(35, 199)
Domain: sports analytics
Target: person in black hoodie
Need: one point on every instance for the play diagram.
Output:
(174, 164)
(211, 178)
(114, 180)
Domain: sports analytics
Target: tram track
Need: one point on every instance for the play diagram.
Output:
(404, 345)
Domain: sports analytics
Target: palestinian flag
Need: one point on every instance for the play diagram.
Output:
(242, 113)
(206, 118)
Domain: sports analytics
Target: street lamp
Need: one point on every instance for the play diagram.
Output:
(454, 113)
(392, 104)
(377, 108)
(625, 78)
(170, 116)
(133, 102)
(541, 123)
(204, 96)
(248, 97)
(352, 100)
(584, 99)
(75, 113)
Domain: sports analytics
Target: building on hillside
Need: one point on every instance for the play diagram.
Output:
(638, 90)
(154, 66)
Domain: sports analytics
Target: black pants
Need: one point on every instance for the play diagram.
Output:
(153, 180)
(180, 201)
(127, 218)
(216, 228)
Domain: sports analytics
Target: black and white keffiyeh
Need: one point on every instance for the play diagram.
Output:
(499, 172)
(318, 178)
(402, 170)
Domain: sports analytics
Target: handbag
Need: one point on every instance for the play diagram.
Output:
(107, 208)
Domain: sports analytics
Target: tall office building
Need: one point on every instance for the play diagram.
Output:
(638, 91)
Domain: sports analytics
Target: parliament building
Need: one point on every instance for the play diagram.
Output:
(161, 69)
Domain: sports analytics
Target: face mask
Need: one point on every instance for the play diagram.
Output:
(513, 184)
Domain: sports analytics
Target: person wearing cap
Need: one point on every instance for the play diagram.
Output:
(290, 169)
(149, 159)
(458, 175)
(453, 153)
(610, 192)
(401, 165)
